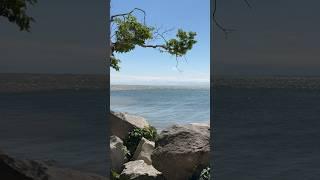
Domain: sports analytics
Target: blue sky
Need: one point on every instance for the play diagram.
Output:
(149, 66)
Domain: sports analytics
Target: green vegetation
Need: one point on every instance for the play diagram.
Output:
(15, 12)
(129, 32)
(205, 174)
(114, 175)
(134, 137)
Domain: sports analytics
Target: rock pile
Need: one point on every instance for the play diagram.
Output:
(15, 169)
(180, 152)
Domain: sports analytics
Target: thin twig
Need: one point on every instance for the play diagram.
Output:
(177, 65)
(247, 3)
(226, 31)
(129, 13)
(153, 46)
(157, 33)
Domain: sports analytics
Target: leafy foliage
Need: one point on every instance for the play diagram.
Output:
(182, 44)
(15, 12)
(205, 174)
(114, 63)
(129, 33)
(134, 137)
(114, 175)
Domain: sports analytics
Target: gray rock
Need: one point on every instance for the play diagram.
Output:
(117, 153)
(144, 151)
(182, 151)
(14, 169)
(139, 170)
(123, 123)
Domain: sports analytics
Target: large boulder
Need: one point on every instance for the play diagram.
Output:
(14, 169)
(144, 151)
(118, 153)
(123, 123)
(182, 151)
(139, 170)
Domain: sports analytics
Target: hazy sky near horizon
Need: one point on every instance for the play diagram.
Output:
(275, 37)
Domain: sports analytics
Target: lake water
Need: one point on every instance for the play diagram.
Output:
(267, 133)
(163, 106)
(259, 132)
(68, 127)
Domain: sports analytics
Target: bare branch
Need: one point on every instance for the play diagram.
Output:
(226, 31)
(247, 3)
(162, 34)
(153, 46)
(129, 13)
(223, 29)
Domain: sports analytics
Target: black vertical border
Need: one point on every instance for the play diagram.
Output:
(212, 4)
(107, 60)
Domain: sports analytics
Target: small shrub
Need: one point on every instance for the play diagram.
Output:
(205, 174)
(114, 175)
(134, 137)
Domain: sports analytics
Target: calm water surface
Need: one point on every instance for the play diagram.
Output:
(266, 134)
(68, 127)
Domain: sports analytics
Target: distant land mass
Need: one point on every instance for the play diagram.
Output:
(11, 82)
(308, 82)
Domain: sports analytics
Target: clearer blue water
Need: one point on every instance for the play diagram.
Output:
(163, 106)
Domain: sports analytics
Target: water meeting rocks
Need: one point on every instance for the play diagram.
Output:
(123, 123)
(117, 153)
(182, 151)
(139, 170)
(14, 169)
(144, 151)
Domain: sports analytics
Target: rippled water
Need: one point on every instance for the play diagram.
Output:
(163, 106)
(260, 131)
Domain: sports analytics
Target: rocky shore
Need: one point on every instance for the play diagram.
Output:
(137, 152)
(16, 169)
(179, 152)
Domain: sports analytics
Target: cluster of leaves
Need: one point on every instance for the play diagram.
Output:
(205, 174)
(114, 175)
(129, 33)
(134, 137)
(114, 63)
(15, 12)
(181, 45)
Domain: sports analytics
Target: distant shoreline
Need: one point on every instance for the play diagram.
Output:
(16, 83)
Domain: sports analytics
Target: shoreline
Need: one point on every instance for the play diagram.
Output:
(27, 82)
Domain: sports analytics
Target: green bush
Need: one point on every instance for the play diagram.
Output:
(205, 174)
(134, 137)
(114, 175)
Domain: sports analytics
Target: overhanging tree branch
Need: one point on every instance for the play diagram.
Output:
(16, 12)
(129, 13)
(129, 33)
(225, 30)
